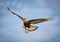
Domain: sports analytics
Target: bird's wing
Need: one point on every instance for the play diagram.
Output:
(15, 13)
(35, 21)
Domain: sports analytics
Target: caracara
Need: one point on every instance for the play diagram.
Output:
(27, 23)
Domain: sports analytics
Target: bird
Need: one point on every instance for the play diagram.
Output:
(28, 24)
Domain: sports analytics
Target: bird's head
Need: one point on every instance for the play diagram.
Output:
(26, 20)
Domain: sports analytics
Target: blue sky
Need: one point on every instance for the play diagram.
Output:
(11, 26)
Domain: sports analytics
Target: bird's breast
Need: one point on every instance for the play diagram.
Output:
(31, 28)
(27, 24)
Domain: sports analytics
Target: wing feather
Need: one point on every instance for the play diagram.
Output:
(35, 21)
(15, 13)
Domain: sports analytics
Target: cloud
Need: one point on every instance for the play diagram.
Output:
(54, 3)
(19, 5)
(42, 33)
(1, 3)
(45, 31)
(14, 3)
(37, 12)
(36, 35)
(41, 3)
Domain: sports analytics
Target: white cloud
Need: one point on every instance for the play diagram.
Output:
(44, 32)
(1, 4)
(43, 11)
(36, 35)
(14, 3)
(19, 5)
(41, 3)
(7, 3)
(37, 12)
(54, 3)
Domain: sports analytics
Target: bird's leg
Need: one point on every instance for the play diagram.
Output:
(26, 31)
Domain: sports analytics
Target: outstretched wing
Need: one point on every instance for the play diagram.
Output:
(15, 13)
(35, 21)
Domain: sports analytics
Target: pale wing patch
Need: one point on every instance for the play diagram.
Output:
(32, 28)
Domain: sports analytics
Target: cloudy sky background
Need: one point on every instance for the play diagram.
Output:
(11, 26)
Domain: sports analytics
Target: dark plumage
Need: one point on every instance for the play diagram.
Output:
(27, 24)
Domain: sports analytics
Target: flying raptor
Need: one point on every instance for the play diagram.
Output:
(27, 24)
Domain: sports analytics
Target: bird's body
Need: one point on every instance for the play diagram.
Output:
(27, 23)
(28, 27)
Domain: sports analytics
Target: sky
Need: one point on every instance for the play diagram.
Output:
(11, 29)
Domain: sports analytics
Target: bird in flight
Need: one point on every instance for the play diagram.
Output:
(27, 24)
